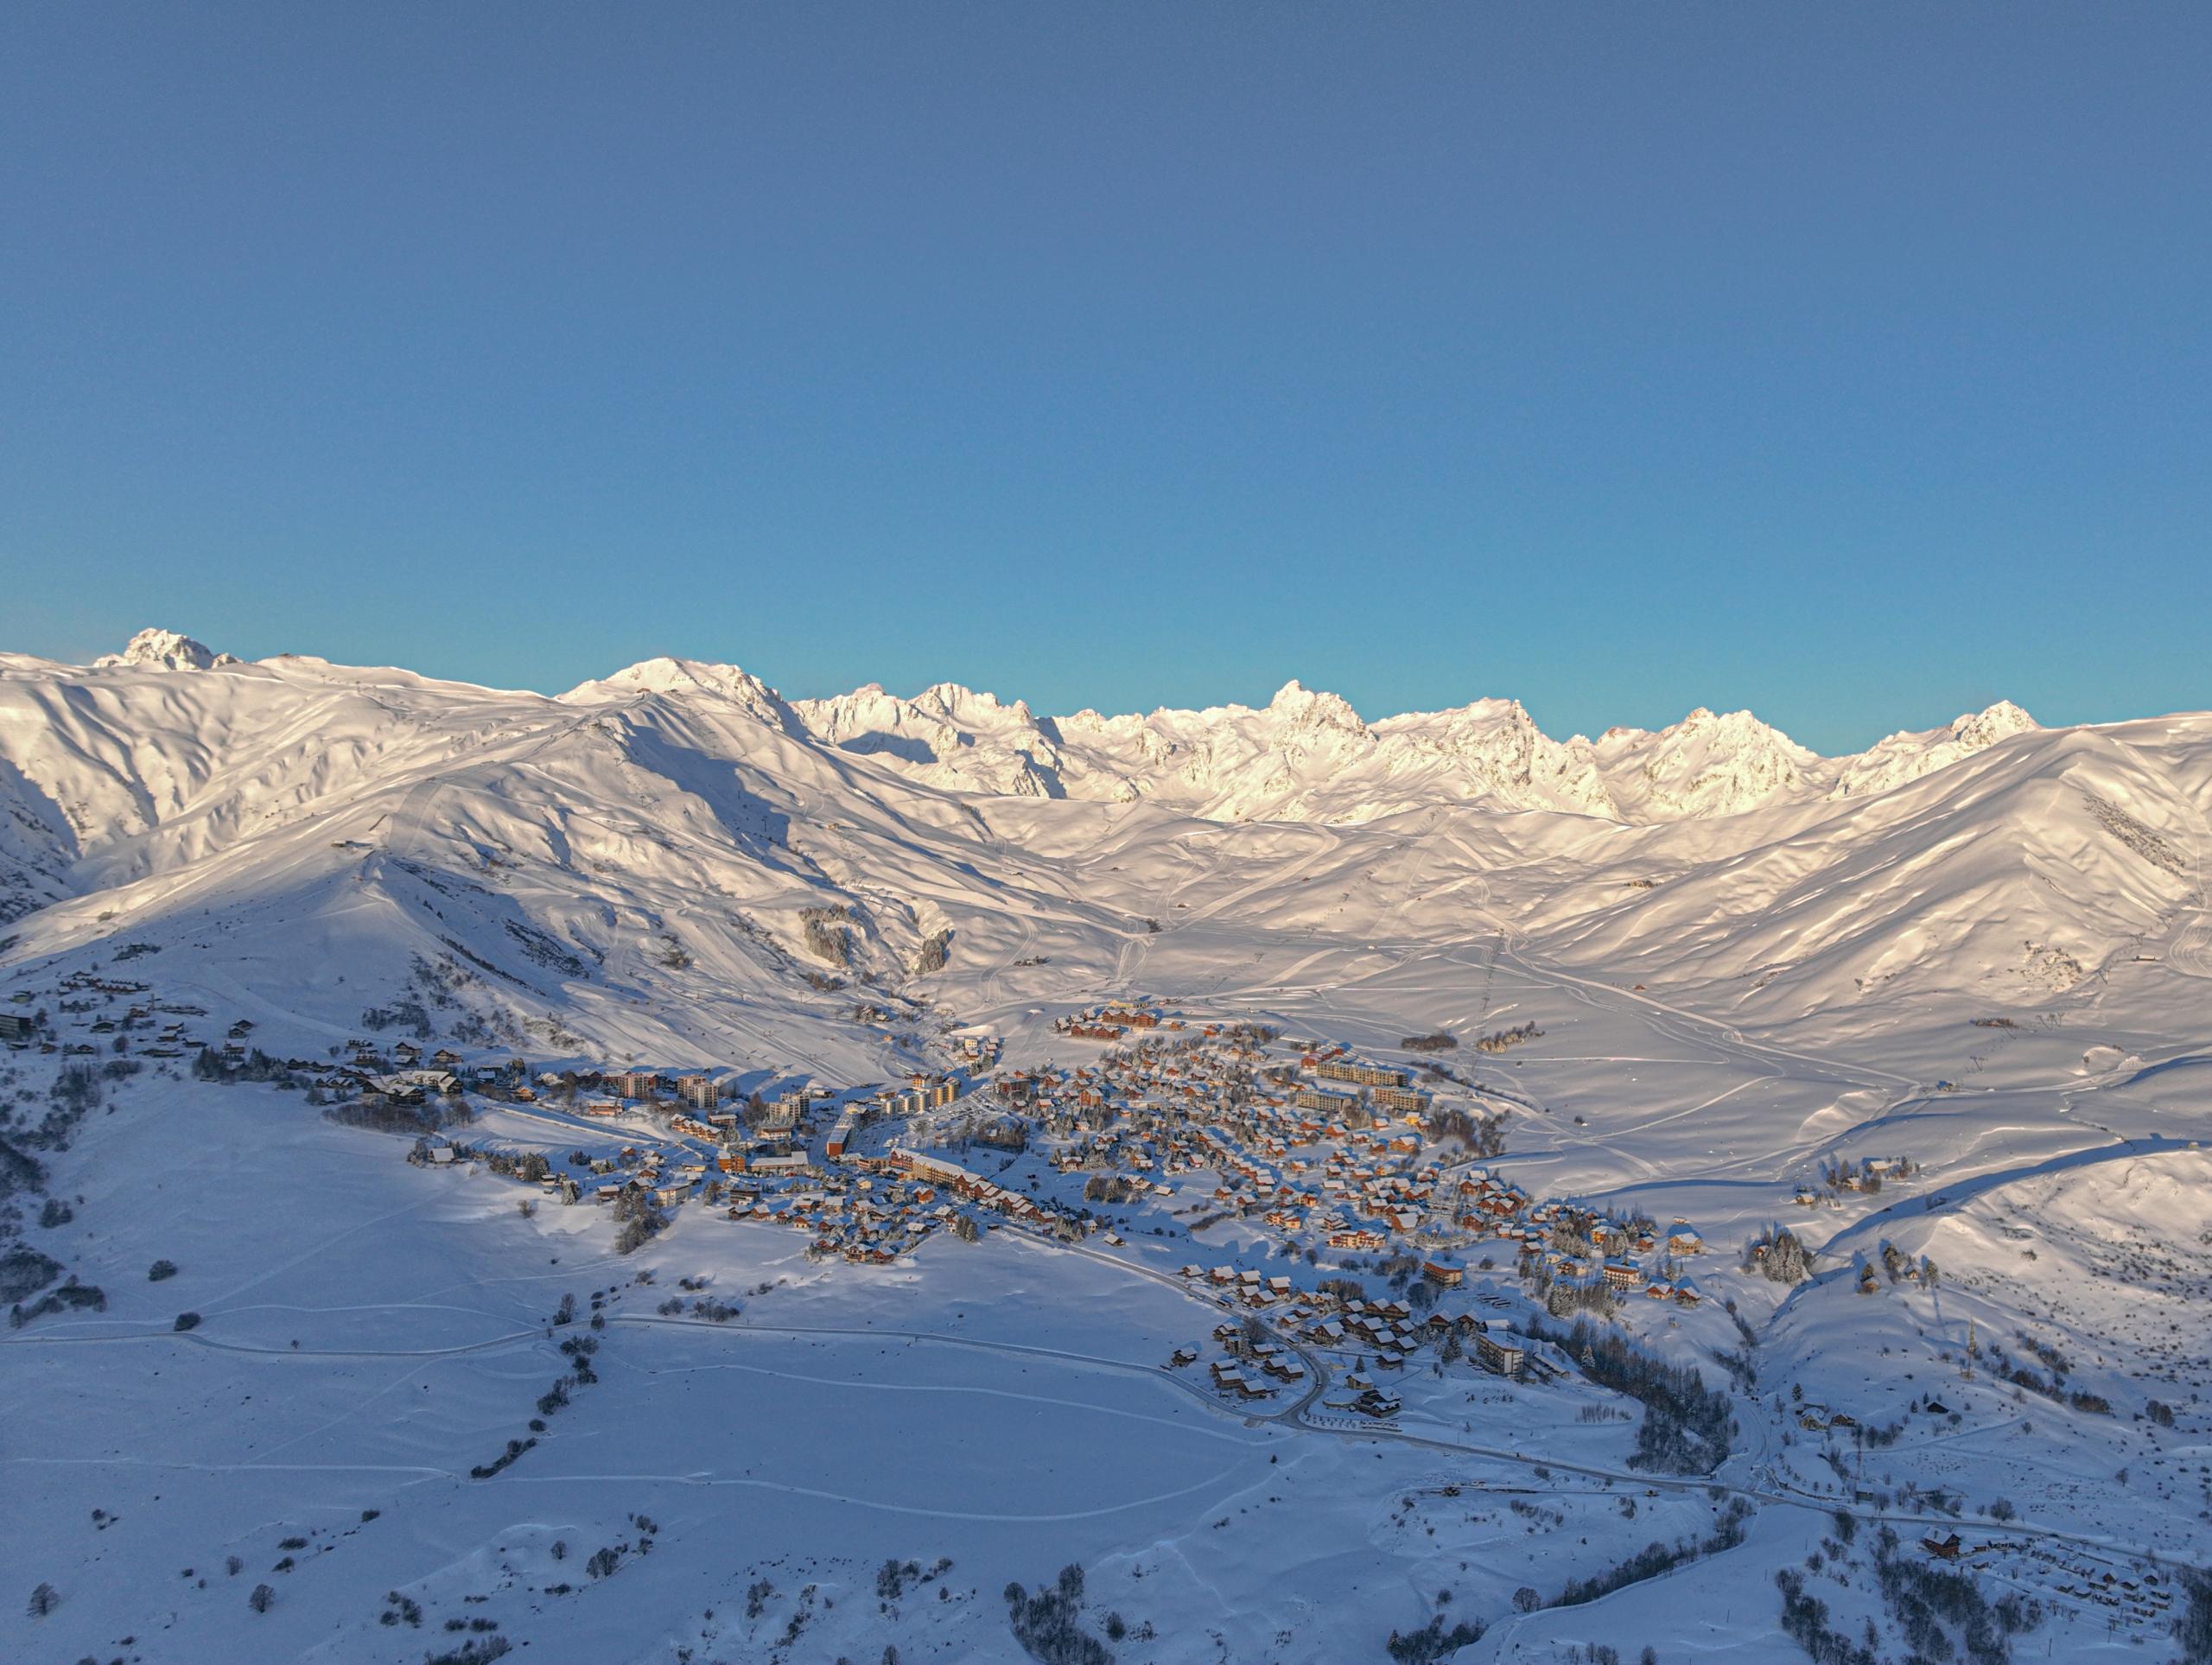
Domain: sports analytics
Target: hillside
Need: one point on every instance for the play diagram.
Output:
(1698, 975)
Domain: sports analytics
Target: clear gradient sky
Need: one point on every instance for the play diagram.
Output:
(1852, 362)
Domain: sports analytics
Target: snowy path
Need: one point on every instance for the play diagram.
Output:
(1011, 1349)
(700, 1478)
(1381, 1434)
(194, 1338)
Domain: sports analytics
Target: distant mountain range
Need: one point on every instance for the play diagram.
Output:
(635, 860)
(1308, 756)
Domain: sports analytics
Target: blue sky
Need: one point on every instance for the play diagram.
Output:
(1850, 362)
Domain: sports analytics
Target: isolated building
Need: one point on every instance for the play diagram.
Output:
(1501, 1354)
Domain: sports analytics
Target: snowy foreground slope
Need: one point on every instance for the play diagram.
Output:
(1980, 956)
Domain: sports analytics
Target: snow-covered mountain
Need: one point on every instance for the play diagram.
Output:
(1906, 757)
(1982, 948)
(166, 650)
(671, 826)
(1705, 765)
(1308, 756)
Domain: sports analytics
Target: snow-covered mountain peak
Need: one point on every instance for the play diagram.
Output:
(957, 702)
(1708, 764)
(155, 649)
(682, 677)
(1307, 708)
(2000, 721)
(1906, 756)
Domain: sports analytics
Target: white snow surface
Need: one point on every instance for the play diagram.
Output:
(1985, 946)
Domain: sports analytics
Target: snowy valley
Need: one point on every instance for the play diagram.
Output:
(669, 1172)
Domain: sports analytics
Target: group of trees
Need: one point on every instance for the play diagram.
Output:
(894, 1576)
(1483, 1136)
(531, 1168)
(1047, 1623)
(1805, 1622)
(936, 952)
(2003, 1366)
(1655, 1558)
(24, 1270)
(2193, 1624)
(1432, 1642)
(407, 1014)
(1925, 1598)
(71, 1294)
(389, 1116)
(639, 1220)
(1572, 1298)
(1686, 1425)
(1780, 1256)
(1900, 1266)
(506, 1459)
(1505, 1039)
(208, 1065)
(826, 934)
